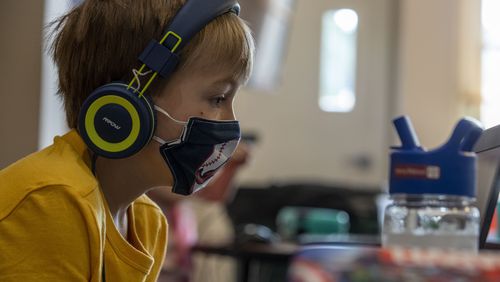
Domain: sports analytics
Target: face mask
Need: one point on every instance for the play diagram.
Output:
(204, 147)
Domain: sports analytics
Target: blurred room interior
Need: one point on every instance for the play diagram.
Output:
(329, 77)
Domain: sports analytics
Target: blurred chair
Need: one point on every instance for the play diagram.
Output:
(293, 222)
(261, 205)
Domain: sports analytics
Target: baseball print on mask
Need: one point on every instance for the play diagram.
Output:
(203, 148)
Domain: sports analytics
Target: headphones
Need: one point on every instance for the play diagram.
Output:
(118, 120)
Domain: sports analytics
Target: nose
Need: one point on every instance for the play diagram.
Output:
(228, 114)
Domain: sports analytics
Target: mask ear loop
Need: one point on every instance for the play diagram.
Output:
(137, 75)
(168, 115)
(163, 142)
(160, 140)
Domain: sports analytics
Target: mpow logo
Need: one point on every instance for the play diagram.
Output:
(112, 123)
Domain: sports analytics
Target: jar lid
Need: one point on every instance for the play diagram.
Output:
(447, 170)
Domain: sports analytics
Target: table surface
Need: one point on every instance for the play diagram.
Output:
(325, 258)
(279, 251)
(350, 263)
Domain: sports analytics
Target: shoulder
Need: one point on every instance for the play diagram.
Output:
(56, 230)
(50, 214)
(58, 164)
(58, 201)
(56, 168)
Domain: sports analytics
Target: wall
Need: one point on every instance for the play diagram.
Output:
(436, 81)
(300, 142)
(20, 57)
(439, 64)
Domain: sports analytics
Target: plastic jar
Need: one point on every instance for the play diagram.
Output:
(433, 191)
(431, 221)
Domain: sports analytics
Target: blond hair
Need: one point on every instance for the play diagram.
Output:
(99, 41)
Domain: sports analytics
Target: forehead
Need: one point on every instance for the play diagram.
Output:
(212, 75)
(224, 46)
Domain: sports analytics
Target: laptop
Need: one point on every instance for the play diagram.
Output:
(488, 176)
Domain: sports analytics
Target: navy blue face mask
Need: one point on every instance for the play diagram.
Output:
(204, 147)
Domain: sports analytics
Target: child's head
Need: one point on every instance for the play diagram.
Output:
(99, 41)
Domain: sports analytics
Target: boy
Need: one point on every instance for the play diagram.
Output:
(76, 211)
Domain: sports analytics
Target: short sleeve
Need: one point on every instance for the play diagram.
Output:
(46, 238)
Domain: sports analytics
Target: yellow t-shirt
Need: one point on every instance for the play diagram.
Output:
(55, 224)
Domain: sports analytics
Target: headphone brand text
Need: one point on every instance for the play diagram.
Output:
(111, 123)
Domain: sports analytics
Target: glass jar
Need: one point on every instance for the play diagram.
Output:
(431, 221)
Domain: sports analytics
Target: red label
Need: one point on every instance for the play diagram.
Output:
(417, 171)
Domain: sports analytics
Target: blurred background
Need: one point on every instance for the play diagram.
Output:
(329, 77)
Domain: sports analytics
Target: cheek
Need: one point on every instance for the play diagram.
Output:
(158, 171)
(168, 130)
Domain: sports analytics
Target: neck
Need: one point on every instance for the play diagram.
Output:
(121, 183)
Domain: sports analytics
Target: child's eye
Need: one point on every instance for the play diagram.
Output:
(217, 101)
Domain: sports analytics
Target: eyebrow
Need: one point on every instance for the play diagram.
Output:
(227, 80)
(223, 82)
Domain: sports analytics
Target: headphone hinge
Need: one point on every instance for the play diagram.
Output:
(159, 58)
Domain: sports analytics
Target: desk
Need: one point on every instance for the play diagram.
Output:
(277, 254)
(322, 258)
(334, 263)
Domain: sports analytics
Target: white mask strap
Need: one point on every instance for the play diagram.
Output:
(137, 75)
(159, 140)
(168, 115)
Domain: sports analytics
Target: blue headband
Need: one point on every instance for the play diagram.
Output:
(162, 57)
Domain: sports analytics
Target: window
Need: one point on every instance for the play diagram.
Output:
(270, 21)
(338, 61)
(52, 117)
(490, 65)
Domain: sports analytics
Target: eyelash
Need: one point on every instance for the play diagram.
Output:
(217, 101)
